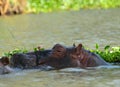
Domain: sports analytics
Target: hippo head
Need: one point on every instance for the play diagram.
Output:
(62, 57)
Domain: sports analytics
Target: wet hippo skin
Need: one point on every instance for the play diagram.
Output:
(62, 57)
(58, 57)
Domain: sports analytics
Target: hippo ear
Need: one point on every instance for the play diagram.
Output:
(56, 45)
(78, 48)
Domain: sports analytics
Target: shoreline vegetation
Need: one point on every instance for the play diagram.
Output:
(109, 54)
(10, 7)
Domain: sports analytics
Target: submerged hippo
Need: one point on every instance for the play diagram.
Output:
(23, 61)
(28, 60)
(58, 57)
(62, 57)
(4, 68)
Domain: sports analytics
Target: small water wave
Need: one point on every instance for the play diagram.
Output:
(18, 72)
(89, 68)
(108, 67)
(73, 70)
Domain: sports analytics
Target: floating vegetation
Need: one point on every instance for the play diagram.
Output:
(10, 53)
(109, 54)
(57, 5)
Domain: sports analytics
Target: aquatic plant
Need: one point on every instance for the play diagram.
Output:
(10, 53)
(56, 5)
(37, 6)
(38, 49)
(109, 54)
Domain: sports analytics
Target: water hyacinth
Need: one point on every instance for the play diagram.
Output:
(109, 54)
(56, 5)
(37, 6)
(10, 53)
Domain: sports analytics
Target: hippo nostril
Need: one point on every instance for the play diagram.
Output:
(79, 56)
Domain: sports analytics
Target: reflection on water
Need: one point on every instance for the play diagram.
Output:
(70, 77)
(86, 26)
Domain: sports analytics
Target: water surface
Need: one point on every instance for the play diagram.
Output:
(63, 78)
(86, 26)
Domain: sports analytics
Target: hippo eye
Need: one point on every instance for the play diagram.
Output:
(58, 51)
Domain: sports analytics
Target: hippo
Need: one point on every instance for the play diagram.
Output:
(58, 57)
(4, 68)
(28, 60)
(62, 57)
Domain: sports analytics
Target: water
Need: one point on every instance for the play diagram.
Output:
(86, 26)
(70, 77)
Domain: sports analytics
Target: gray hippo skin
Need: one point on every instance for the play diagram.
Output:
(62, 57)
(58, 57)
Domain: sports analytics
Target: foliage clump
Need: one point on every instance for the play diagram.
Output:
(8, 7)
(109, 54)
(10, 53)
(56, 5)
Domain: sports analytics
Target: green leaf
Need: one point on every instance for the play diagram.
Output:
(97, 46)
(35, 49)
(107, 47)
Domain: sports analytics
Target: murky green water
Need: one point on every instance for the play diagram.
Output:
(63, 78)
(86, 26)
